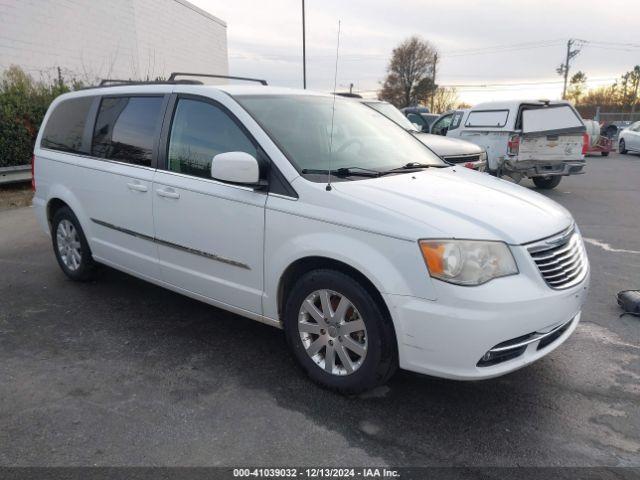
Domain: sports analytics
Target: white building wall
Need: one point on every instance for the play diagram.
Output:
(90, 39)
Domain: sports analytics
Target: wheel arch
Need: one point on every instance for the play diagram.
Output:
(53, 205)
(60, 196)
(307, 264)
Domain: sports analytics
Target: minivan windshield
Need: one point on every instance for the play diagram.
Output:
(301, 126)
(392, 113)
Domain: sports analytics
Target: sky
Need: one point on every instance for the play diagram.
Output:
(483, 44)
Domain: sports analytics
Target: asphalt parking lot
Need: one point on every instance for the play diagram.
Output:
(120, 372)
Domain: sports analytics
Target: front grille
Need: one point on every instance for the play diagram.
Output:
(562, 259)
(462, 158)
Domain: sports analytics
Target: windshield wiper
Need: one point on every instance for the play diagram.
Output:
(412, 166)
(345, 172)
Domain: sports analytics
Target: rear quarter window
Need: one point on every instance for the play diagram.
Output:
(126, 129)
(64, 130)
(487, 118)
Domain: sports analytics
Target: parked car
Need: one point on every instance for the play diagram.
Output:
(421, 117)
(629, 139)
(314, 214)
(541, 140)
(453, 150)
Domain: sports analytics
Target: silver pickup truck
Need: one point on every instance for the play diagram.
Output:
(541, 140)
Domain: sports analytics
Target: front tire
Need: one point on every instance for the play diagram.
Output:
(623, 147)
(605, 154)
(70, 246)
(547, 183)
(339, 333)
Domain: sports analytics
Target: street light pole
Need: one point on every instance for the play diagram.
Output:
(304, 51)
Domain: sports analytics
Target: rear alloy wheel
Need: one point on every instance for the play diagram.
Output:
(547, 183)
(70, 246)
(338, 332)
(623, 147)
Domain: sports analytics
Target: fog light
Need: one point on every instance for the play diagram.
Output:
(486, 357)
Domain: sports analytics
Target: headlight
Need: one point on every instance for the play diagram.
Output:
(467, 262)
(483, 156)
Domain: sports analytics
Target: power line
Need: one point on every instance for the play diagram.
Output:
(503, 48)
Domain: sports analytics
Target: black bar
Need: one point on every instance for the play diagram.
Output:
(173, 76)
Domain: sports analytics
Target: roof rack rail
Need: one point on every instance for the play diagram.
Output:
(117, 81)
(173, 76)
(114, 82)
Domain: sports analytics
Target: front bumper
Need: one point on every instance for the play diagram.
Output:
(448, 337)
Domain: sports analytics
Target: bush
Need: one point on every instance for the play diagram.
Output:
(23, 104)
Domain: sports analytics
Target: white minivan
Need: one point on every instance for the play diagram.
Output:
(537, 139)
(314, 214)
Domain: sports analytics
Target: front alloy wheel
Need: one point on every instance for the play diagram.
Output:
(339, 331)
(332, 332)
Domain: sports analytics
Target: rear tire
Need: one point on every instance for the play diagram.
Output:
(623, 147)
(547, 183)
(70, 246)
(363, 354)
(605, 154)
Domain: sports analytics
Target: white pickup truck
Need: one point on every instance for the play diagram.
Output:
(541, 140)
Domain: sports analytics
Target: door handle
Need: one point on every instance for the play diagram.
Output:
(168, 193)
(137, 186)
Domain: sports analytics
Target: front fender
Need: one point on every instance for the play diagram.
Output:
(392, 265)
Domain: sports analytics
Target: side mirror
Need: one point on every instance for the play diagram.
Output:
(417, 126)
(425, 128)
(444, 131)
(236, 167)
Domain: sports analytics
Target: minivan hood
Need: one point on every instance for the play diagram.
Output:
(446, 147)
(459, 203)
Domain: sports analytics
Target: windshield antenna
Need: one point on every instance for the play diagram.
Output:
(333, 112)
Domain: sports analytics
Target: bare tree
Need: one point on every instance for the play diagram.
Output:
(445, 99)
(577, 87)
(410, 73)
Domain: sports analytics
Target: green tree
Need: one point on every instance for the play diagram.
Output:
(23, 104)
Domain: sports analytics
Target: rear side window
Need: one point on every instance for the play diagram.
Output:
(126, 129)
(487, 118)
(199, 132)
(65, 128)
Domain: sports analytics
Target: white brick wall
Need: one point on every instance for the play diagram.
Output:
(91, 39)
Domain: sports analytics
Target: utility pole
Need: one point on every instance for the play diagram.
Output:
(563, 69)
(60, 83)
(433, 79)
(350, 88)
(304, 51)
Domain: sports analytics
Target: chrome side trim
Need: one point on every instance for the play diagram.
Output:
(211, 256)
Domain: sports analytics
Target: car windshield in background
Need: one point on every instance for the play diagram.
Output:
(362, 139)
(392, 113)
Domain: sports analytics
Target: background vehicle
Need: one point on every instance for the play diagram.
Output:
(599, 142)
(421, 117)
(629, 139)
(314, 214)
(541, 140)
(453, 150)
